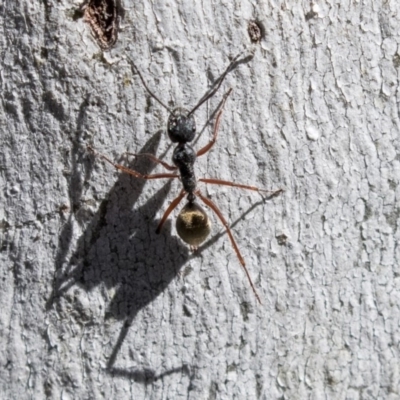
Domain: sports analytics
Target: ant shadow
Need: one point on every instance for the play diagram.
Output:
(119, 249)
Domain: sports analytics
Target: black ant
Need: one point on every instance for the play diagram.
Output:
(192, 224)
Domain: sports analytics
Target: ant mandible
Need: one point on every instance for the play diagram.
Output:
(192, 224)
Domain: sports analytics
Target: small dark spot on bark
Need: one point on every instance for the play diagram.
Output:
(78, 14)
(282, 239)
(392, 218)
(396, 60)
(329, 379)
(63, 208)
(259, 386)
(4, 225)
(148, 105)
(187, 271)
(255, 31)
(44, 53)
(245, 310)
(368, 212)
(186, 311)
(231, 368)
(28, 265)
(310, 15)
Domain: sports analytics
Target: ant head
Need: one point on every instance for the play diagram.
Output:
(181, 123)
(181, 126)
(193, 225)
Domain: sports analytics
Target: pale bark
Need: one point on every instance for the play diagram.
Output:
(96, 305)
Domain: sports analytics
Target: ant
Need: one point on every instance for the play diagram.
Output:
(192, 224)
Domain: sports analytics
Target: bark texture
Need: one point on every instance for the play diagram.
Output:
(95, 305)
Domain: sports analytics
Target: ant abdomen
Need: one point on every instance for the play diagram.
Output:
(193, 225)
(181, 126)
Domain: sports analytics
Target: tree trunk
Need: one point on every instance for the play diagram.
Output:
(96, 305)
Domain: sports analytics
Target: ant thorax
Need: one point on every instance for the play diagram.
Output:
(184, 158)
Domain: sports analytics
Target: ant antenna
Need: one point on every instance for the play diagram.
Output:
(147, 88)
(213, 91)
(202, 100)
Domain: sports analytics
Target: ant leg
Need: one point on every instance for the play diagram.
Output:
(169, 210)
(154, 159)
(239, 185)
(216, 127)
(131, 171)
(212, 205)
